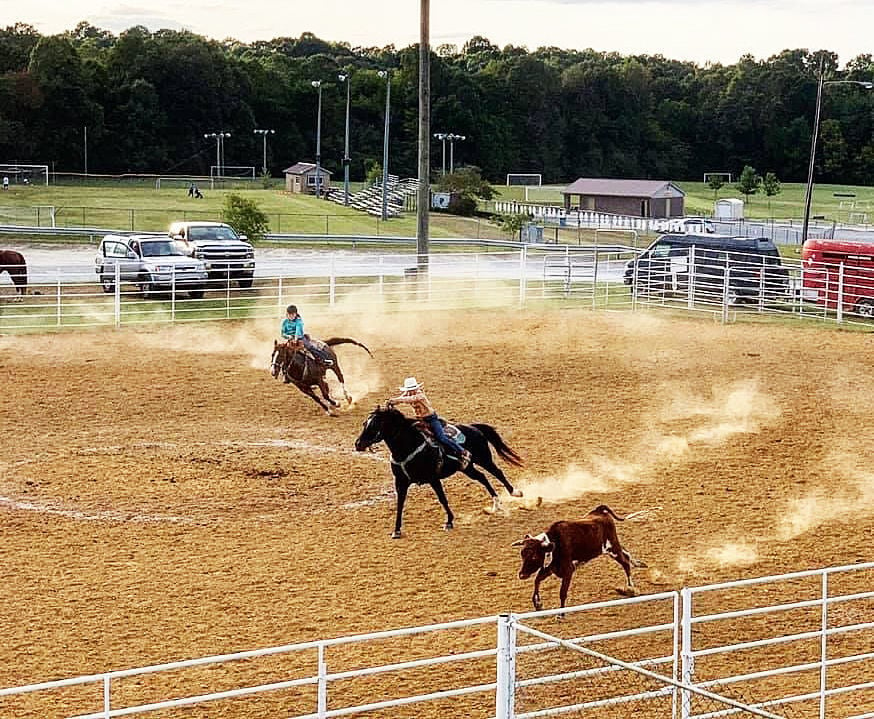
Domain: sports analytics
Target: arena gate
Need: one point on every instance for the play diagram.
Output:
(699, 660)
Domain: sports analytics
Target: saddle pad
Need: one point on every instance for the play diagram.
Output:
(451, 431)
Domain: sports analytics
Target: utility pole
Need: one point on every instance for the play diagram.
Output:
(423, 199)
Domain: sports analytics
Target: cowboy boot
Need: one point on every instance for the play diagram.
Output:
(464, 459)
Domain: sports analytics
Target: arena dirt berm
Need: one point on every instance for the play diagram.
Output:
(163, 497)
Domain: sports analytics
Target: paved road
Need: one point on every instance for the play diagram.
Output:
(75, 263)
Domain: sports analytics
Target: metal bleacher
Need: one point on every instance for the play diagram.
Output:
(369, 199)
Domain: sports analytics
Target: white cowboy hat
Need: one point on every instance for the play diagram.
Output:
(410, 385)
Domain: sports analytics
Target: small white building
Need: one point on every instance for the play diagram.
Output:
(730, 208)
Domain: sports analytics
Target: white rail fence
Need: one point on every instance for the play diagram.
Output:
(598, 276)
(509, 667)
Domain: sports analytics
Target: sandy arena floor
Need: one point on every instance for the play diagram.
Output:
(162, 497)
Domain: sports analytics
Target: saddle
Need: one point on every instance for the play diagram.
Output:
(450, 429)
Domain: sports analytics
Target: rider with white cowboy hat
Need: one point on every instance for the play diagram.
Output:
(413, 394)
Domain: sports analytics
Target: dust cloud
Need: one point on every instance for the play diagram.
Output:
(850, 494)
(738, 408)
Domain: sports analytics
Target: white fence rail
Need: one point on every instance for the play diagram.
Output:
(596, 276)
(505, 677)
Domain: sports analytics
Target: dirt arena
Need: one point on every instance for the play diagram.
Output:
(162, 497)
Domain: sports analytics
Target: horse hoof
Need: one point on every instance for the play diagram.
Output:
(396, 535)
(448, 526)
(516, 493)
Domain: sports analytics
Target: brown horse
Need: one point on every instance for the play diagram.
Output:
(13, 263)
(305, 373)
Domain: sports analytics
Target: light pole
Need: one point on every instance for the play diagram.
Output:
(318, 85)
(346, 78)
(387, 76)
(442, 137)
(264, 134)
(453, 138)
(808, 194)
(219, 149)
(423, 196)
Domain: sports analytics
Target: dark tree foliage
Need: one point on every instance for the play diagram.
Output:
(147, 99)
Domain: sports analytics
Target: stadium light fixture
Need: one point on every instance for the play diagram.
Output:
(219, 149)
(264, 134)
(442, 137)
(387, 76)
(808, 193)
(345, 77)
(453, 138)
(318, 85)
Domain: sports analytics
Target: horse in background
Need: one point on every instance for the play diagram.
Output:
(13, 263)
(305, 372)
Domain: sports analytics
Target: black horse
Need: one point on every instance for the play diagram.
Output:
(13, 262)
(416, 459)
(304, 372)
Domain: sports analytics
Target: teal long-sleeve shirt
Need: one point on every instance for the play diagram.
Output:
(292, 328)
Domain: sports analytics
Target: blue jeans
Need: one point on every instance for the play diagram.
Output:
(437, 428)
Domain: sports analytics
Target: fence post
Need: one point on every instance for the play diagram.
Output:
(106, 702)
(725, 291)
(687, 659)
(523, 260)
(322, 687)
(59, 297)
(595, 278)
(131, 220)
(332, 291)
(116, 299)
(823, 641)
(839, 303)
(690, 303)
(173, 294)
(505, 692)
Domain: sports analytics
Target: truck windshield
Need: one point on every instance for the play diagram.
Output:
(160, 248)
(212, 233)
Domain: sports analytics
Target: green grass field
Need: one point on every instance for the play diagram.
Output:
(143, 208)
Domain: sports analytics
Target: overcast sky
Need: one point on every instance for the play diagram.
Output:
(697, 30)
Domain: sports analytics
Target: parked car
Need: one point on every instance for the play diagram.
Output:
(673, 262)
(152, 262)
(227, 255)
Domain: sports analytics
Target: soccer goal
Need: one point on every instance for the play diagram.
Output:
(530, 179)
(25, 174)
(726, 177)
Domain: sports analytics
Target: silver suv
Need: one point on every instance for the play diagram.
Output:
(150, 261)
(227, 255)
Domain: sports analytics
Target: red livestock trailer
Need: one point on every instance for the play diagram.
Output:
(839, 274)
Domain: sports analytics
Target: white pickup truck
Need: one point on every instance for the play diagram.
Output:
(227, 255)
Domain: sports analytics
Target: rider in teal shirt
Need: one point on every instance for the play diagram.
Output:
(292, 331)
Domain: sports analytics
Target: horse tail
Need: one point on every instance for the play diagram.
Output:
(504, 451)
(346, 341)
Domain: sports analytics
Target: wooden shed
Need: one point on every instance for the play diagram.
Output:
(301, 178)
(638, 198)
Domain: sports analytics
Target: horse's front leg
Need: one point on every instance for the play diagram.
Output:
(437, 486)
(308, 391)
(401, 486)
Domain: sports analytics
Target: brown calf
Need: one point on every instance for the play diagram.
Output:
(564, 545)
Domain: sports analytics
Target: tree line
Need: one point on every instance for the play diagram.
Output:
(147, 99)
